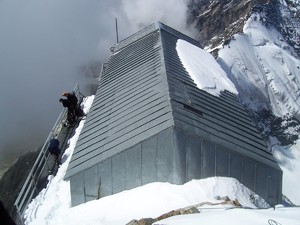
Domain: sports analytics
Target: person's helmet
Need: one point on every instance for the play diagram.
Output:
(64, 94)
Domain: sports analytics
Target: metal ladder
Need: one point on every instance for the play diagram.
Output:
(44, 164)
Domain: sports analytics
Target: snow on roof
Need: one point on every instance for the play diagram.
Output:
(204, 69)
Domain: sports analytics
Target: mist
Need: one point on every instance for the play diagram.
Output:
(140, 13)
(47, 47)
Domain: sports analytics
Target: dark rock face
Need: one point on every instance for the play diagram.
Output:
(218, 20)
(12, 181)
(286, 129)
(285, 18)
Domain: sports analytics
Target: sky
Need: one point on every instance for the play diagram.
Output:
(44, 46)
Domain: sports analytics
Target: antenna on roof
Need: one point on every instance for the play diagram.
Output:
(117, 30)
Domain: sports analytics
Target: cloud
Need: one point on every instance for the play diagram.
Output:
(140, 13)
(44, 44)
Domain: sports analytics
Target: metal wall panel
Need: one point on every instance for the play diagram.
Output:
(274, 190)
(105, 178)
(249, 173)
(179, 157)
(149, 160)
(222, 161)
(165, 156)
(119, 172)
(91, 183)
(208, 159)
(262, 180)
(77, 189)
(174, 156)
(133, 167)
(194, 157)
(236, 166)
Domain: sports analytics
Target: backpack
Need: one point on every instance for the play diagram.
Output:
(78, 111)
(53, 147)
(72, 98)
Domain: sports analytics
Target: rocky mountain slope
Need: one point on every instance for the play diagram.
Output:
(12, 181)
(217, 21)
(220, 23)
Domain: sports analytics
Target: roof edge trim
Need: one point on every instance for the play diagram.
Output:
(149, 29)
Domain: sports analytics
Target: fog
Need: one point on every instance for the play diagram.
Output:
(45, 46)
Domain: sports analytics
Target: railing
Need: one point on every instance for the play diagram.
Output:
(103, 69)
(35, 182)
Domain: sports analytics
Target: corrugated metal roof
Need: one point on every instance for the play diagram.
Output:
(131, 104)
(199, 111)
(145, 90)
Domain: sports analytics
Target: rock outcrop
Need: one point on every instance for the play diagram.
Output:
(218, 21)
(12, 181)
(188, 210)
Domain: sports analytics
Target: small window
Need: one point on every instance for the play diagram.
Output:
(197, 111)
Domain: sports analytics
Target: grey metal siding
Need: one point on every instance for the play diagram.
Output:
(165, 156)
(194, 158)
(149, 122)
(208, 160)
(133, 167)
(179, 157)
(200, 112)
(77, 189)
(262, 180)
(105, 178)
(118, 173)
(91, 177)
(149, 160)
(131, 104)
(236, 166)
(176, 157)
(222, 161)
(249, 173)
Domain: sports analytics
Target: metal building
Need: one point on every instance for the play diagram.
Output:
(149, 122)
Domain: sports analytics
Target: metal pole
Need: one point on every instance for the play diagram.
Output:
(117, 30)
